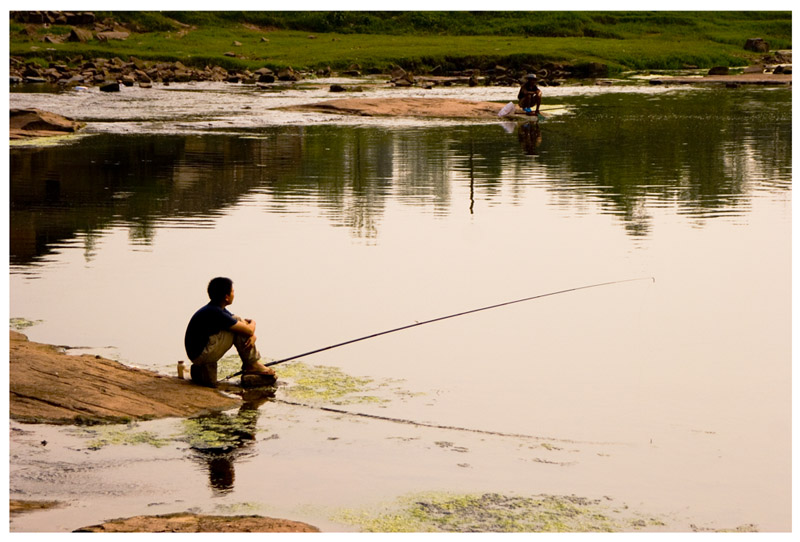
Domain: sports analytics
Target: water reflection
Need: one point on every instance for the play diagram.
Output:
(530, 137)
(219, 439)
(701, 153)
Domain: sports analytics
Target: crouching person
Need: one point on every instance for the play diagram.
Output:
(212, 331)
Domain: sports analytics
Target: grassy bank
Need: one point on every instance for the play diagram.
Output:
(421, 41)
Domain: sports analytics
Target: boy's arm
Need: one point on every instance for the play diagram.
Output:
(244, 327)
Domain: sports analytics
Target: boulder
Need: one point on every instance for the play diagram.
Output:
(33, 122)
(183, 76)
(106, 36)
(80, 35)
(719, 70)
(287, 74)
(31, 71)
(138, 63)
(80, 18)
(110, 87)
(398, 72)
(756, 44)
(28, 30)
(402, 78)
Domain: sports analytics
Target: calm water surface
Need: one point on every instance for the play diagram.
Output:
(335, 229)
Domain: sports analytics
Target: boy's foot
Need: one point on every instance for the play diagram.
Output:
(258, 368)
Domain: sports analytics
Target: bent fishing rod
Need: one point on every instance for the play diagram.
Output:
(439, 319)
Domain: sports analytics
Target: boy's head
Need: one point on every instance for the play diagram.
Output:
(219, 288)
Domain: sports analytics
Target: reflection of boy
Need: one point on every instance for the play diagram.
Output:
(530, 95)
(212, 331)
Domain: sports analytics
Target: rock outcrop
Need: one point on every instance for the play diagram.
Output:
(49, 386)
(24, 123)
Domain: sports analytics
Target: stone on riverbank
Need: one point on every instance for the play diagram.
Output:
(49, 386)
(26, 123)
(193, 523)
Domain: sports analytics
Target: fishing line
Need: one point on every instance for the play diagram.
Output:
(439, 319)
(434, 425)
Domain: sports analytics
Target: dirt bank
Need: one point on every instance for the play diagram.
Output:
(406, 107)
(49, 386)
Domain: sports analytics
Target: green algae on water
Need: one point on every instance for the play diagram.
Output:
(239, 509)
(328, 384)
(111, 436)
(229, 365)
(489, 512)
(22, 323)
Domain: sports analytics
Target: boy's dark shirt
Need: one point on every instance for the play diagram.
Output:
(207, 321)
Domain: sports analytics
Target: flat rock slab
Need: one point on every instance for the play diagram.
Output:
(405, 107)
(193, 523)
(49, 386)
(25, 123)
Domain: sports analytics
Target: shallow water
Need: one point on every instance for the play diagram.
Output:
(672, 396)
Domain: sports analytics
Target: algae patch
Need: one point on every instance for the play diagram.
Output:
(22, 323)
(110, 436)
(489, 512)
(328, 384)
(229, 365)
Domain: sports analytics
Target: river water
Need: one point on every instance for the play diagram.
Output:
(670, 395)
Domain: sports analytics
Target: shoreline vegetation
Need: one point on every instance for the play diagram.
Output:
(487, 48)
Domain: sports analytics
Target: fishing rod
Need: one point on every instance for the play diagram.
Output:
(439, 319)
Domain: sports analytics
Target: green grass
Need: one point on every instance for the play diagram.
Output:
(422, 40)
